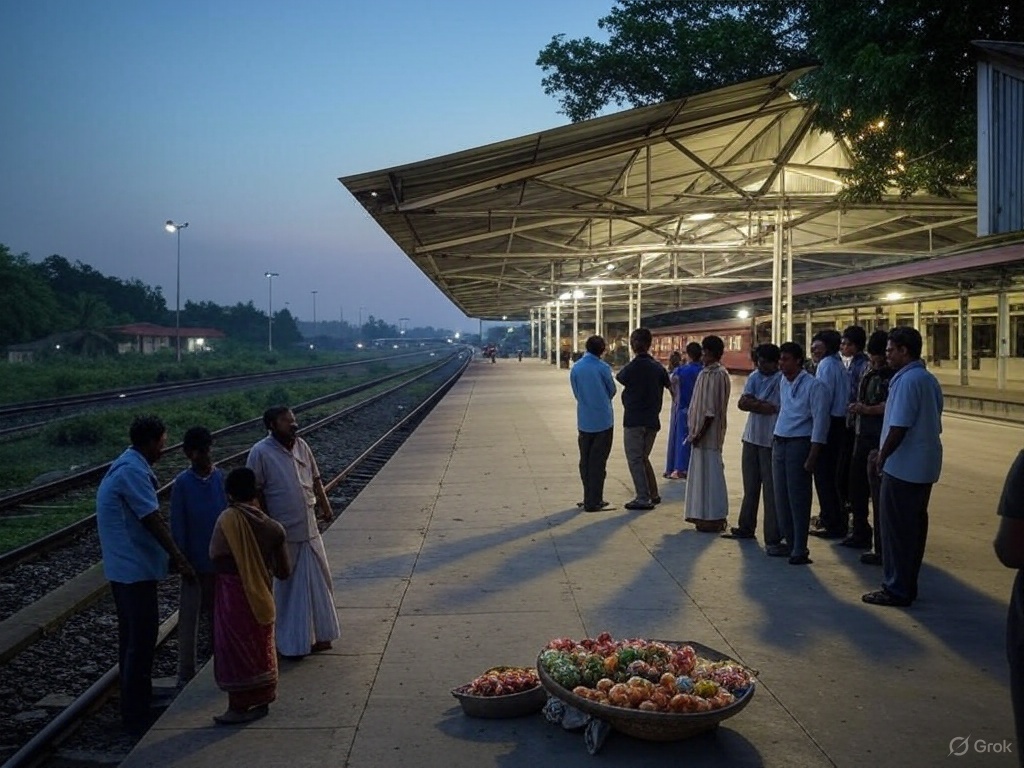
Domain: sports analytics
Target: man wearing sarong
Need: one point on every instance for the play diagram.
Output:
(707, 500)
(290, 489)
(247, 549)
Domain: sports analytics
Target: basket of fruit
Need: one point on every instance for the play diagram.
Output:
(502, 692)
(650, 689)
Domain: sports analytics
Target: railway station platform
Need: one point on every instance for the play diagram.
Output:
(468, 551)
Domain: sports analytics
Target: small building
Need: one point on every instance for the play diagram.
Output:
(147, 338)
(1000, 137)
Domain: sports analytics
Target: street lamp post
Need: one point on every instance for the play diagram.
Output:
(270, 309)
(314, 311)
(170, 226)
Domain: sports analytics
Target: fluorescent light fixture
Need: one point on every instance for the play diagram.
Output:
(743, 314)
(564, 296)
(609, 267)
(700, 216)
(893, 296)
(578, 294)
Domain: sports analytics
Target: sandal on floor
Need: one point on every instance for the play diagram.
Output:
(882, 597)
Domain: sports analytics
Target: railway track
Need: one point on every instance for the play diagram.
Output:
(73, 404)
(350, 470)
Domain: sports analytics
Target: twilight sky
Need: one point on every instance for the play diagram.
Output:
(238, 117)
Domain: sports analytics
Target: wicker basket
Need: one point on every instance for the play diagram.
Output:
(652, 726)
(507, 705)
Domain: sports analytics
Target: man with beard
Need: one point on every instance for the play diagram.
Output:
(290, 493)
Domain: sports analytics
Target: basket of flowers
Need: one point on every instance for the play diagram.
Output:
(502, 692)
(651, 689)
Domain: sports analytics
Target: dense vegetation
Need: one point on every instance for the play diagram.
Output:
(895, 79)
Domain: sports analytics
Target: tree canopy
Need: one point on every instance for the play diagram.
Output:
(894, 79)
(38, 299)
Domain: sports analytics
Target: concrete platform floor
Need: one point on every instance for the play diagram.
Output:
(468, 551)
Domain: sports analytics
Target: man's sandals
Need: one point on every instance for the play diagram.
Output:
(234, 717)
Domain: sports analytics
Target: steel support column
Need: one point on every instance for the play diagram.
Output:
(777, 273)
(575, 324)
(599, 312)
(558, 334)
(964, 352)
(1003, 337)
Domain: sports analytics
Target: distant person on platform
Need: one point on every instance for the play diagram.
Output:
(593, 387)
(247, 549)
(291, 493)
(760, 399)
(684, 379)
(834, 520)
(707, 499)
(519, 355)
(909, 462)
(135, 542)
(197, 499)
(1009, 545)
(644, 381)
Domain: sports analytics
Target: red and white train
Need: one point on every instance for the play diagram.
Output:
(737, 334)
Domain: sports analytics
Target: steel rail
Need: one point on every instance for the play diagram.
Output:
(126, 393)
(33, 549)
(40, 746)
(92, 473)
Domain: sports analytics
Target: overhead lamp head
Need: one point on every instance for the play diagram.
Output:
(743, 314)
(609, 267)
(700, 216)
(893, 296)
(169, 226)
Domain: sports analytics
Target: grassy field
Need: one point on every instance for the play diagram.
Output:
(18, 531)
(58, 376)
(93, 438)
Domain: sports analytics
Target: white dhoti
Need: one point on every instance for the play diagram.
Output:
(706, 496)
(305, 600)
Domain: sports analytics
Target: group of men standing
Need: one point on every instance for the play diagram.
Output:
(249, 552)
(869, 429)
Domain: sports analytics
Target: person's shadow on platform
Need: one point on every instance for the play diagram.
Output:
(538, 743)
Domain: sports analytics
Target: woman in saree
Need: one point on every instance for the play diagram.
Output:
(247, 550)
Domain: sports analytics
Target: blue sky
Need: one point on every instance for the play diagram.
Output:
(238, 117)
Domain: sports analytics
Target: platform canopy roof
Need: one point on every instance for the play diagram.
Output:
(679, 201)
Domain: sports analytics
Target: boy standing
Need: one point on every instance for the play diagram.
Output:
(197, 499)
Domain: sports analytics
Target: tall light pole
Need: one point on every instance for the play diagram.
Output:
(270, 309)
(170, 226)
(361, 320)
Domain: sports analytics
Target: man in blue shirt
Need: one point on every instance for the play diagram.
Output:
(801, 432)
(644, 381)
(135, 543)
(909, 462)
(760, 399)
(197, 499)
(835, 379)
(593, 388)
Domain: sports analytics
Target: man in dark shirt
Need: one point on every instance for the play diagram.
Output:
(866, 411)
(1009, 546)
(644, 381)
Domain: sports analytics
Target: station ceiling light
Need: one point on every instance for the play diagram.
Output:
(700, 216)
(893, 296)
(743, 314)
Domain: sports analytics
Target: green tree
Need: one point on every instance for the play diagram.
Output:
(896, 79)
(28, 307)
